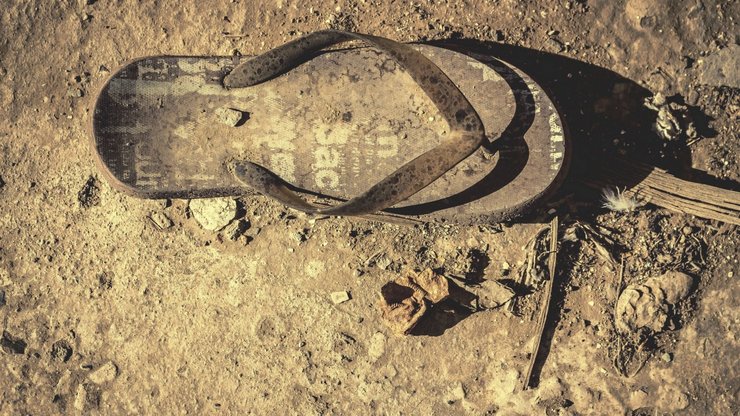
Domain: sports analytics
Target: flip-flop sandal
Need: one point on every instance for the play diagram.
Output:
(399, 130)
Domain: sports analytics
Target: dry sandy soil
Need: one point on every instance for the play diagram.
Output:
(106, 308)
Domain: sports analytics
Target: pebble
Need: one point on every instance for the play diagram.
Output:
(339, 297)
(105, 373)
(214, 213)
(667, 357)
(229, 116)
(75, 92)
(235, 229)
(493, 294)
(161, 220)
(299, 236)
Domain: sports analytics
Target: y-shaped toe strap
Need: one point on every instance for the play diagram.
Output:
(465, 135)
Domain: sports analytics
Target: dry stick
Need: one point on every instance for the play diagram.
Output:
(551, 263)
(616, 362)
(660, 188)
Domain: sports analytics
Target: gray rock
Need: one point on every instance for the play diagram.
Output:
(214, 213)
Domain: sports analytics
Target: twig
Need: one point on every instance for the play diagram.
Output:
(552, 263)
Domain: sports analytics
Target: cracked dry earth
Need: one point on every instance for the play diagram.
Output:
(115, 305)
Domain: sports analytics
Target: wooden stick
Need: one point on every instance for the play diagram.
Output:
(658, 187)
(551, 264)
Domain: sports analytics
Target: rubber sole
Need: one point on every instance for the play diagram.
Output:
(333, 126)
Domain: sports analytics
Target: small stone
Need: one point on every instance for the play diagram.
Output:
(235, 229)
(339, 297)
(299, 237)
(229, 116)
(214, 213)
(667, 357)
(686, 230)
(493, 294)
(505, 266)
(161, 220)
(80, 397)
(74, 92)
(105, 373)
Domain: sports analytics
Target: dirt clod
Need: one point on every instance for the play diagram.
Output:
(89, 194)
(650, 305)
(61, 351)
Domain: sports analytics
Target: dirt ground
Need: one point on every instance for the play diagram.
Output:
(116, 305)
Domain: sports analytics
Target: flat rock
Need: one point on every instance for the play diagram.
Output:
(213, 213)
(103, 374)
(229, 116)
(493, 294)
(649, 304)
(721, 68)
(161, 220)
(339, 297)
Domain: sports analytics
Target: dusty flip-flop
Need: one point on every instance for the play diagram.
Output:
(395, 129)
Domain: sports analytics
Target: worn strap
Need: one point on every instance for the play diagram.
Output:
(465, 135)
